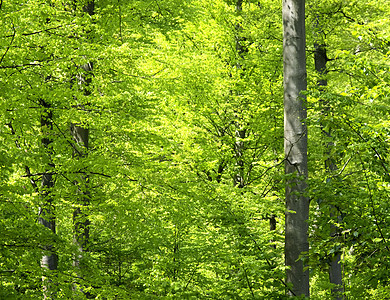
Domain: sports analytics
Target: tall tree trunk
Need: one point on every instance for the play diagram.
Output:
(80, 134)
(295, 145)
(240, 132)
(81, 222)
(335, 270)
(46, 217)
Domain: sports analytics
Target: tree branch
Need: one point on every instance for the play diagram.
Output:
(32, 181)
(373, 206)
(13, 37)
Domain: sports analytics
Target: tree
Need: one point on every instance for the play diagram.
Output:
(295, 145)
(334, 106)
(80, 135)
(47, 217)
(320, 61)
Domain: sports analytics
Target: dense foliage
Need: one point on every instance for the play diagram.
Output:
(181, 182)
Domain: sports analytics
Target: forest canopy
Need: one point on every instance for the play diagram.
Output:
(143, 149)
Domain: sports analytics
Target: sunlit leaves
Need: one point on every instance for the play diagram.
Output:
(168, 93)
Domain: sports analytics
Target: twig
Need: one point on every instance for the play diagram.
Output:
(12, 40)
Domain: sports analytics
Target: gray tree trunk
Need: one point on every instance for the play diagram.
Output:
(80, 217)
(295, 146)
(81, 222)
(46, 210)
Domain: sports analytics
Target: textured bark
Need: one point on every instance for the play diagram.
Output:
(295, 145)
(46, 210)
(335, 270)
(336, 276)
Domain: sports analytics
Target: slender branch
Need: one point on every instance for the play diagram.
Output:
(67, 140)
(191, 40)
(96, 173)
(12, 40)
(349, 18)
(265, 172)
(21, 65)
(343, 168)
(28, 175)
(37, 32)
(382, 161)
(189, 280)
(32, 181)
(248, 282)
(373, 205)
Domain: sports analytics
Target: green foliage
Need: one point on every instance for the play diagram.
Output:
(348, 110)
(185, 148)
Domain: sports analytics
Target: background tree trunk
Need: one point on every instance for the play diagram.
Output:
(46, 210)
(240, 132)
(80, 217)
(80, 134)
(295, 145)
(335, 270)
(81, 222)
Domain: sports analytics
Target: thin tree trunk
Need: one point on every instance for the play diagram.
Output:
(335, 270)
(80, 217)
(239, 153)
(81, 222)
(272, 227)
(46, 217)
(80, 134)
(295, 146)
(240, 132)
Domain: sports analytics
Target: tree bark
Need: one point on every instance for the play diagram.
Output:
(80, 217)
(46, 217)
(295, 146)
